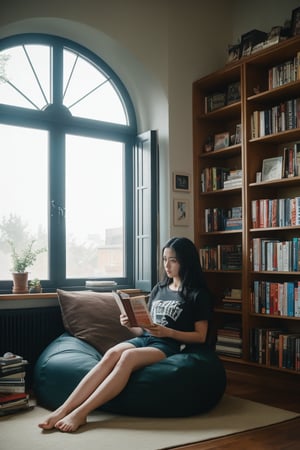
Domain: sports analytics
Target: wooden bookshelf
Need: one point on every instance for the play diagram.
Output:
(253, 74)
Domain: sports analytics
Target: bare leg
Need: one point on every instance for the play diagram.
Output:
(111, 386)
(87, 385)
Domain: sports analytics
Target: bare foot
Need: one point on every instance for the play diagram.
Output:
(71, 422)
(51, 420)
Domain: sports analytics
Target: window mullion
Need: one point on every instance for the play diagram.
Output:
(57, 74)
(57, 206)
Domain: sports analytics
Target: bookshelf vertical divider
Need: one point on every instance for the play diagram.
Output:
(243, 115)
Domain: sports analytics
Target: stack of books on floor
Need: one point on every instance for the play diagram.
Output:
(13, 396)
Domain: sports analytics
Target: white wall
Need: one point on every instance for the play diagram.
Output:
(158, 48)
(262, 15)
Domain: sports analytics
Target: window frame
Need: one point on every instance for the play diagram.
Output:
(58, 126)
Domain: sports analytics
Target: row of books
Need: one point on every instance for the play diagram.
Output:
(276, 298)
(13, 396)
(275, 212)
(275, 347)
(222, 98)
(284, 73)
(282, 117)
(234, 179)
(291, 161)
(220, 219)
(216, 178)
(221, 257)
(229, 341)
(275, 256)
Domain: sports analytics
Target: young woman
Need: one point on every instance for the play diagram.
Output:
(181, 308)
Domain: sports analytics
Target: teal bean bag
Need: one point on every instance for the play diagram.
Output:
(188, 383)
(184, 384)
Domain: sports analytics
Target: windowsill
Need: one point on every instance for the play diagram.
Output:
(27, 296)
(39, 300)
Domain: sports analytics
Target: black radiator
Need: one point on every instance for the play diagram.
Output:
(28, 331)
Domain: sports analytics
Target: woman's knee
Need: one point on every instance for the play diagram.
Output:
(129, 358)
(114, 353)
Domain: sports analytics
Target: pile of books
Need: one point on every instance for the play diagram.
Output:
(13, 396)
(234, 179)
(229, 341)
(232, 299)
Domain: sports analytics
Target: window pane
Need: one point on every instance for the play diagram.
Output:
(25, 76)
(23, 195)
(94, 208)
(95, 98)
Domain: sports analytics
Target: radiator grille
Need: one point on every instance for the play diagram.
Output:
(28, 331)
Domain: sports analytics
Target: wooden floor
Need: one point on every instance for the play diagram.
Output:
(264, 386)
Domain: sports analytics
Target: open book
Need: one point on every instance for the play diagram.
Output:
(135, 308)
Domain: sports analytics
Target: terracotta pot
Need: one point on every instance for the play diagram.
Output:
(20, 282)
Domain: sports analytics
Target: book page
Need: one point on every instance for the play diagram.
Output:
(135, 308)
(141, 312)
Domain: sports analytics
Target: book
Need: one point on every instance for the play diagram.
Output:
(13, 368)
(12, 371)
(14, 376)
(12, 403)
(17, 389)
(9, 359)
(12, 397)
(135, 308)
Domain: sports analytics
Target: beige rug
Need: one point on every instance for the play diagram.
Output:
(112, 432)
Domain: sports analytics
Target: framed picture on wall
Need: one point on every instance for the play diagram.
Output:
(181, 212)
(181, 182)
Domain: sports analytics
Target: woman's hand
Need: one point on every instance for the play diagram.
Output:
(137, 331)
(124, 321)
(160, 331)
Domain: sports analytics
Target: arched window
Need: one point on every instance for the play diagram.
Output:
(68, 140)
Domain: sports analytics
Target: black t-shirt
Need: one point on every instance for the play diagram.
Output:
(170, 309)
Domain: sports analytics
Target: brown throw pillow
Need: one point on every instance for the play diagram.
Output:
(93, 317)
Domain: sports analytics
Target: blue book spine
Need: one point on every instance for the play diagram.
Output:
(290, 299)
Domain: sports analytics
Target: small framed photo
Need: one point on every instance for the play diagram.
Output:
(221, 140)
(233, 93)
(181, 182)
(295, 23)
(238, 134)
(181, 212)
(272, 169)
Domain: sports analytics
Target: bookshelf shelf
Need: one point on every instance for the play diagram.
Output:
(253, 72)
(283, 181)
(221, 192)
(224, 153)
(278, 93)
(216, 233)
(273, 316)
(281, 137)
(227, 311)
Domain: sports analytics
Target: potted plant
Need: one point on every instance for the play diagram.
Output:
(35, 285)
(21, 261)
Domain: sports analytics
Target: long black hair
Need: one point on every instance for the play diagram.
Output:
(190, 272)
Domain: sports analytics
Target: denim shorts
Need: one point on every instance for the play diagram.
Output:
(167, 346)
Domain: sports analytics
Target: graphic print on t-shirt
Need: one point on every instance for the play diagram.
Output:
(161, 310)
